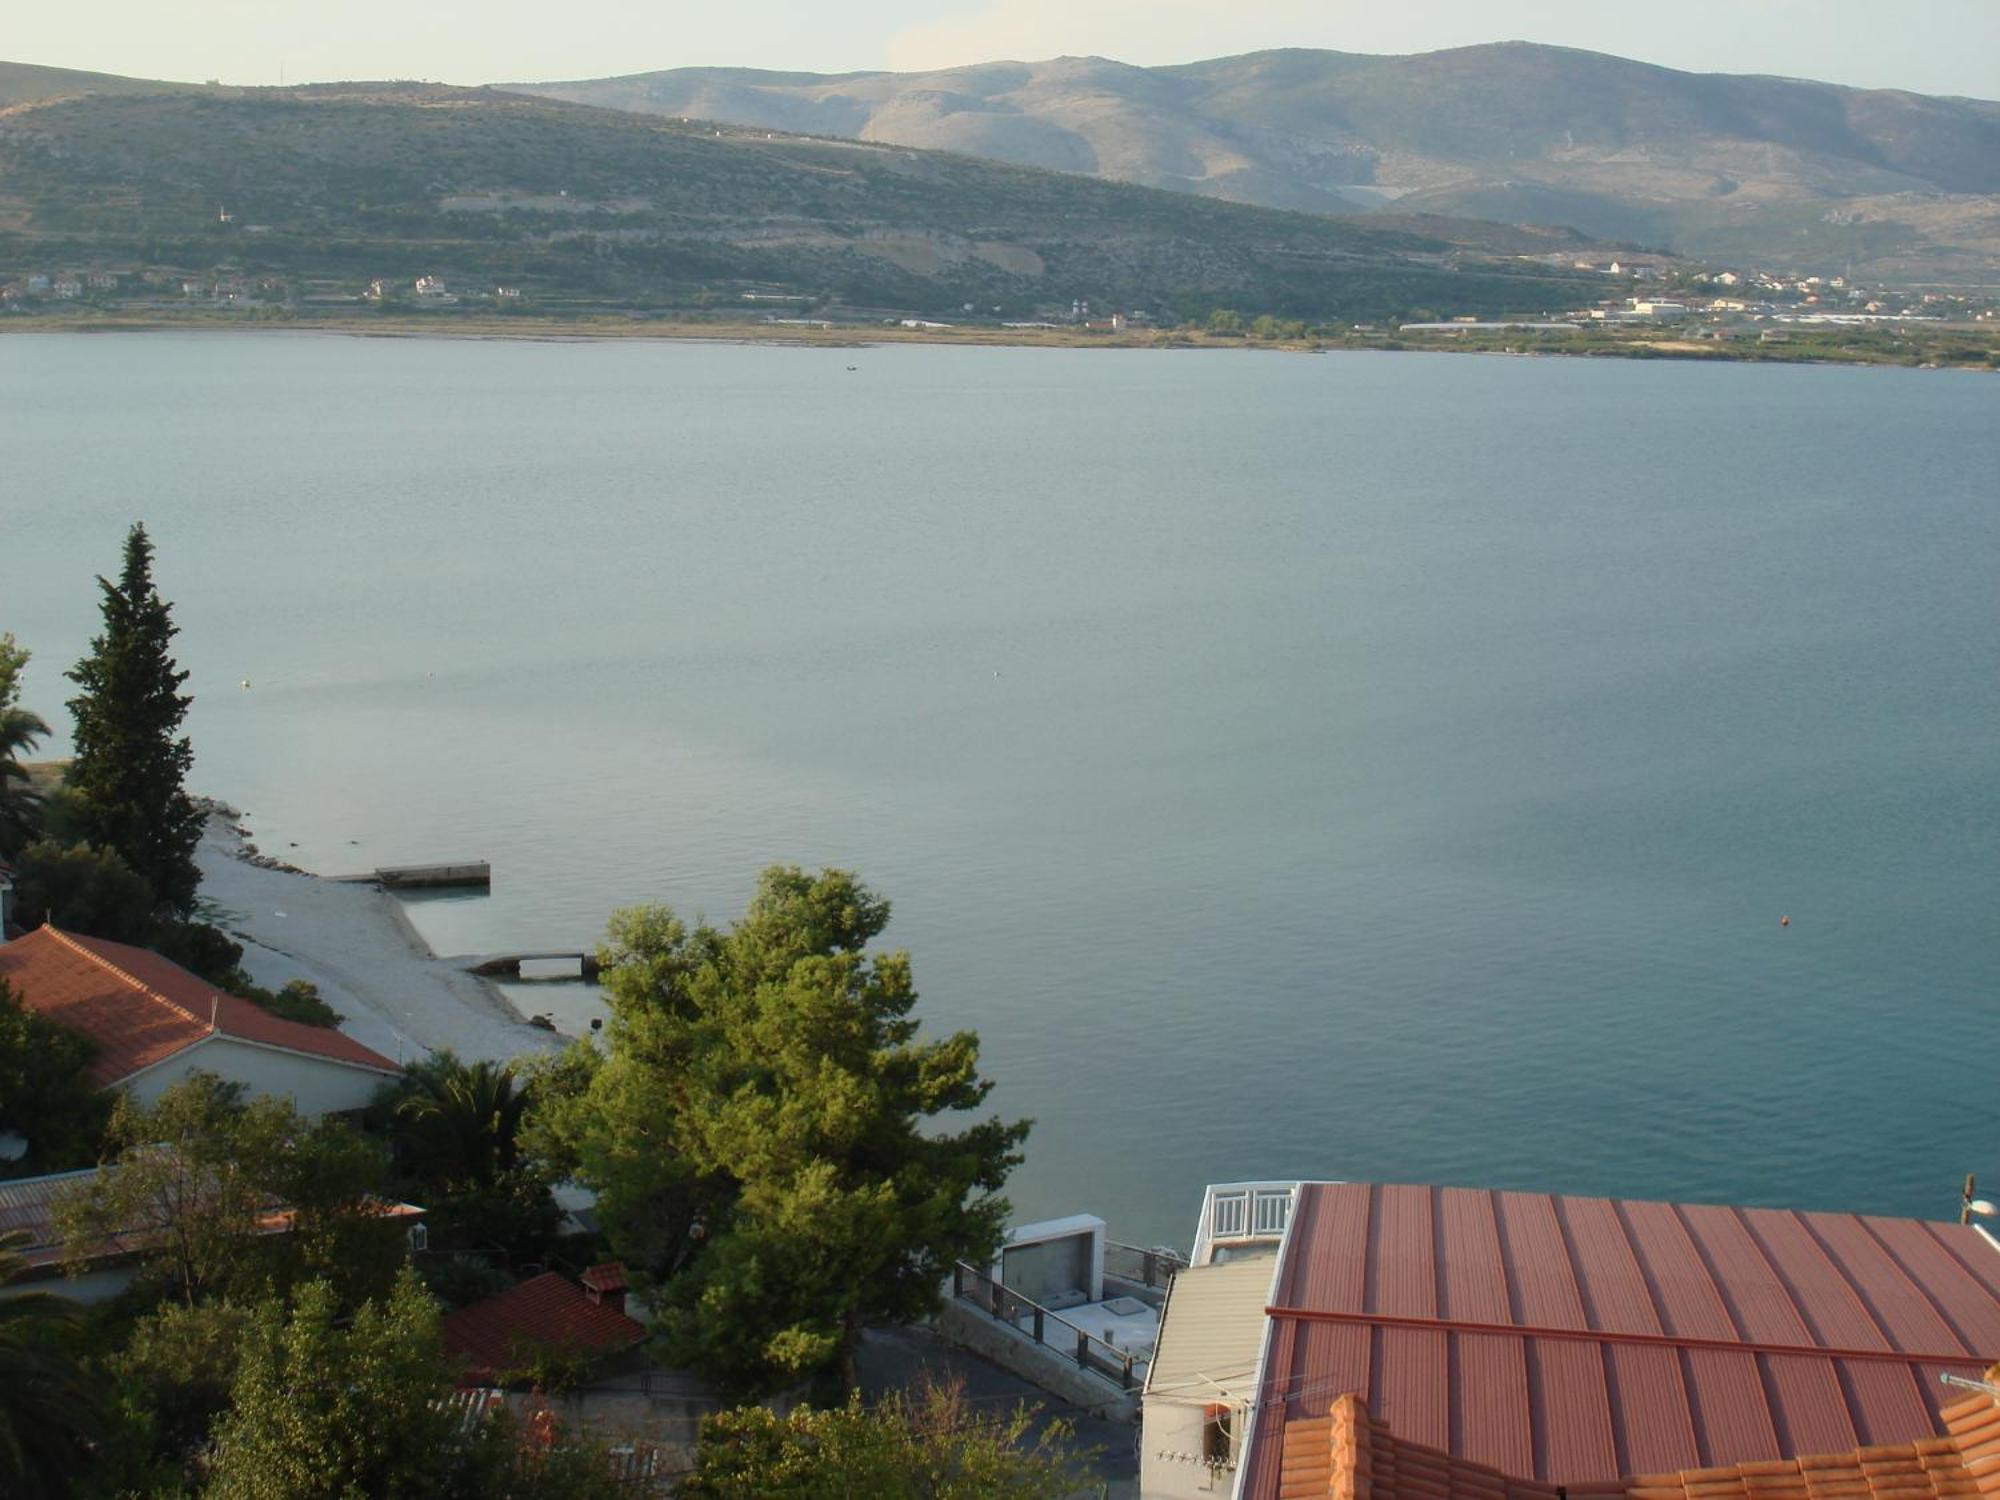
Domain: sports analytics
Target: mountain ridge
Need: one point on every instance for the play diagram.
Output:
(1708, 164)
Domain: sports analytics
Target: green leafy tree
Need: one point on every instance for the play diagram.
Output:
(171, 1381)
(326, 1410)
(331, 1180)
(46, 1096)
(50, 1414)
(83, 889)
(321, 1410)
(173, 1184)
(195, 1176)
(763, 1132)
(934, 1445)
(21, 806)
(131, 760)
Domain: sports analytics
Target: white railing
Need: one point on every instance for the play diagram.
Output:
(1239, 1213)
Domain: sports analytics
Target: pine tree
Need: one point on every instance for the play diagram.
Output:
(130, 762)
(765, 1133)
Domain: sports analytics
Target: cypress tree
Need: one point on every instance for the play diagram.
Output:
(130, 760)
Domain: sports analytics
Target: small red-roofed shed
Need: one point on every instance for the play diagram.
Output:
(548, 1313)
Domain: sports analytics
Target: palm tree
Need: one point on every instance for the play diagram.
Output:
(20, 803)
(49, 1409)
(459, 1122)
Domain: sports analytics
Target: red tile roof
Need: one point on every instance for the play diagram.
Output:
(140, 1009)
(1575, 1340)
(607, 1277)
(1349, 1455)
(549, 1311)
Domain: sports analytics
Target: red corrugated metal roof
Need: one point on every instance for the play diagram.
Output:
(1574, 1340)
(1350, 1455)
(550, 1311)
(140, 1009)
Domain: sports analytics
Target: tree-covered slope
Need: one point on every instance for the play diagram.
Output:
(399, 177)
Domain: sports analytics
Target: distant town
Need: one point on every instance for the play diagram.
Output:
(1655, 303)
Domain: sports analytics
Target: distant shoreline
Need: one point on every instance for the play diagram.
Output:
(1967, 349)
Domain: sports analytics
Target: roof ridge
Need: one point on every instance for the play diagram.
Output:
(1617, 1336)
(137, 983)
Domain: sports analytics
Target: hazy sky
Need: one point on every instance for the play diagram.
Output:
(1936, 46)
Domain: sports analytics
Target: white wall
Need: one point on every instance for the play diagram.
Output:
(317, 1086)
(1170, 1431)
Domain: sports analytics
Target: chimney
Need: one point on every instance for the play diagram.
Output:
(605, 1285)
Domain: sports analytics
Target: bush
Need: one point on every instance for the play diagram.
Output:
(46, 1095)
(82, 889)
(174, 1378)
(932, 1442)
(298, 1000)
(459, 1280)
(204, 949)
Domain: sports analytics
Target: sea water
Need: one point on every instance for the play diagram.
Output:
(1366, 765)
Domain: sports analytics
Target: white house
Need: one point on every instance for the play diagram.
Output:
(155, 1023)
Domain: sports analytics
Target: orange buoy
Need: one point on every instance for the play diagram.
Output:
(1784, 921)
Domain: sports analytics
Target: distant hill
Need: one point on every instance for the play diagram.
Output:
(1766, 169)
(645, 211)
(22, 83)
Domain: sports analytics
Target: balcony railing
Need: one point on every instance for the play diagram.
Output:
(1050, 1329)
(1243, 1212)
(1152, 1268)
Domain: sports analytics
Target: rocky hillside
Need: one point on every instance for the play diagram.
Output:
(645, 210)
(1777, 170)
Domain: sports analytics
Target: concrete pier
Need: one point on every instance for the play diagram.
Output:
(508, 965)
(434, 877)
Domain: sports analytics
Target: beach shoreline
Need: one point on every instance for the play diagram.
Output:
(1926, 349)
(356, 944)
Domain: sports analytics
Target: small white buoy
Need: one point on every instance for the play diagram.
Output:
(245, 684)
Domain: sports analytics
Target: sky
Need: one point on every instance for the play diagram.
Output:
(1932, 46)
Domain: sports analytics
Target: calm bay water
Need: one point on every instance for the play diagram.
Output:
(1364, 766)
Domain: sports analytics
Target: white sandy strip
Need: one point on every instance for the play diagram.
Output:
(355, 943)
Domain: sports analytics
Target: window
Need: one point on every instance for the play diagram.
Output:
(1218, 1437)
(1229, 1218)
